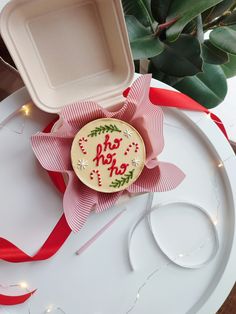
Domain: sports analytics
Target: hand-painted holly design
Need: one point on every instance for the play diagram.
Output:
(125, 179)
(104, 129)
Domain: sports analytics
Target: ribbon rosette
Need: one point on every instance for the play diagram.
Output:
(53, 152)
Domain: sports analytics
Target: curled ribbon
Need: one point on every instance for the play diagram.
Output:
(11, 253)
(148, 214)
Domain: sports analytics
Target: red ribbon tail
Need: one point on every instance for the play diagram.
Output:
(14, 300)
(169, 98)
(11, 253)
(219, 123)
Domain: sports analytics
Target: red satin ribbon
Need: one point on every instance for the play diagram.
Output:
(11, 253)
(14, 300)
(168, 98)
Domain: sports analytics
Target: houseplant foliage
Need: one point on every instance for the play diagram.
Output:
(190, 45)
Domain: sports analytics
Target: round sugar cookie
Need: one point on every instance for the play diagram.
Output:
(108, 155)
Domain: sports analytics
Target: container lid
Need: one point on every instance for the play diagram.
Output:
(69, 50)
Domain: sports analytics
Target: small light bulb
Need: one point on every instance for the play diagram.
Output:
(215, 222)
(49, 309)
(26, 109)
(24, 285)
(181, 255)
(220, 165)
(138, 296)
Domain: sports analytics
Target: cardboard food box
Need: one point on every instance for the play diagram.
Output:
(69, 50)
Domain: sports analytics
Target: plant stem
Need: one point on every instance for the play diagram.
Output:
(213, 23)
(144, 64)
(200, 33)
(165, 25)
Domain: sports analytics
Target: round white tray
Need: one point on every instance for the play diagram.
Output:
(99, 281)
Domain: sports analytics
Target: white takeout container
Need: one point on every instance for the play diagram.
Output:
(69, 50)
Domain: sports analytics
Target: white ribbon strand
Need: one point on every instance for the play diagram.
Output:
(177, 260)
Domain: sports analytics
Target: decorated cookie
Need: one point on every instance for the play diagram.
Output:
(108, 155)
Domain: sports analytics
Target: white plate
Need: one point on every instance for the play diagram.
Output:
(100, 281)
(226, 110)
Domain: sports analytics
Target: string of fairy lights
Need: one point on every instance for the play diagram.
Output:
(26, 111)
(24, 287)
(205, 239)
(215, 222)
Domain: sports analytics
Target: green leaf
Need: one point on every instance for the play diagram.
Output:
(190, 27)
(208, 88)
(185, 11)
(140, 9)
(224, 38)
(217, 10)
(143, 43)
(212, 54)
(135, 29)
(160, 9)
(163, 77)
(180, 58)
(230, 67)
